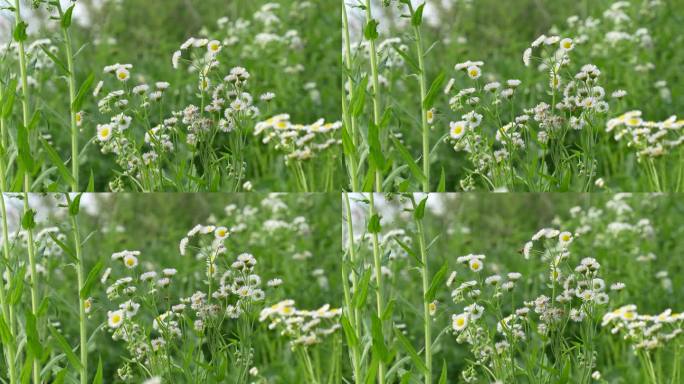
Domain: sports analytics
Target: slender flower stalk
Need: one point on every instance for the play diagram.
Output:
(7, 311)
(72, 96)
(349, 119)
(352, 311)
(425, 128)
(425, 273)
(80, 273)
(380, 306)
(27, 174)
(373, 54)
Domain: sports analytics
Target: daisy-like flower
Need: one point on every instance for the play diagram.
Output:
(104, 132)
(130, 261)
(221, 233)
(88, 304)
(175, 58)
(474, 72)
(619, 94)
(565, 238)
(115, 318)
(567, 44)
(474, 311)
(473, 118)
(527, 56)
(457, 129)
(459, 322)
(122, 74)
(79, 118)
(475, 265)
(430, 115)
(214, 47)
(432, 308)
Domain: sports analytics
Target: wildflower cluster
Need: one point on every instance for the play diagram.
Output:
(303, 327)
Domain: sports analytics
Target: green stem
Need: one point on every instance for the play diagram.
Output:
(80, 271)
(353, 313)
(7, 312)
(378, 280)
(72, 97)
(427, 319)
(350, 121)
(373, 53)
(423, 111)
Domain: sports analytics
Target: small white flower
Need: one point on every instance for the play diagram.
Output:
(567, 44)
(459, 322)
(130, 261)
(527, 55)
(565, 238)
(457, 129)
(115, 318)
(474, 72)
(122, 74)
(475, 265)
(104, 132)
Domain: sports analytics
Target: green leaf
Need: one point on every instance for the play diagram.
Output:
(25, 158)
(389, 310)
(28, 219)
(63, 344)
(361, 291)
(408, 159)
(352, 340)
(66, 18)
(57, 161)
(379, 346)
(408, 59)
(434, 90)
(359, 100)
(32, 335)
(91, 182)
(55, 60)
(69, 252)
(17, 286)
(442, 182)
(98, 375)
(78, 101)
(5, 334)
(443, 375)
(8, 98)
(375, 148)
(347, 142)
(408, 250)
(436, 283)
(419, 212)
(370, 31)
(75, 205)
(408, 348)
(374, 224)
(417, 17)
(20, 32)
(61, 375)
(91, 279)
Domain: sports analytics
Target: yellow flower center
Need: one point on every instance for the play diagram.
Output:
(116, 319)
(460, 322)
(473, 72)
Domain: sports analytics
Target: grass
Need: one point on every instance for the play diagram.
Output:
(243, 141)
(530, 136)
(218, 316)
(476, 292)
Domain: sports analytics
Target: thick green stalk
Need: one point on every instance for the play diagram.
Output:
(378, 280)
(7, 311)
(423, 111)
(80, 272)
(350, 121)
(373, 54)
(427, 319)
(352, 312)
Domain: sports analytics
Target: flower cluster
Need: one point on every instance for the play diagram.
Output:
(303, 327)
(649, 139)
(644, 332)
(297, 141)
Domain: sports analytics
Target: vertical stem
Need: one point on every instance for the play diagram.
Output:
(373, 53)
(378, 280)
(423, 110)
(72, 97)
(7, 312)
(427, 320)
(350, 121)
(353, 313)
(27, 178)
(80, 271)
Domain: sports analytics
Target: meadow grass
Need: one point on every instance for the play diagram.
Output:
(208, 98)
(521, 96)
(524, 288)
(160, 298)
